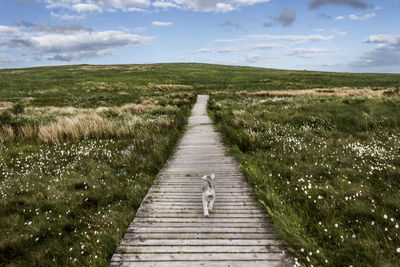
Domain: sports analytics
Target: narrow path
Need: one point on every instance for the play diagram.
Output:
(169, 228)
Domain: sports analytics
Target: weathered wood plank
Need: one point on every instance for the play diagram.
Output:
(199, 230)
(155, 208)
(145, 211)
(203, 242)
(199, 257)
(252, 263)
(199, 249)
(200, 225)
(198, 215)
(200, 235)
(202, 220)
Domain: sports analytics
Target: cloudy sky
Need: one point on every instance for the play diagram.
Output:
(329, 35)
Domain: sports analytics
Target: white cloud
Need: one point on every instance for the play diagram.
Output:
(224, 7)
(83, 41)
(243, 48)
(68, 45)
(165, 5)
(385, 53)
(313, 4)
(383, 39)
(366, 16)
(86, 7)
(98, 5)
(310, 52)
(66, 16)
(214, 5)
(139, 29)
(161, 23)
(7, 59)
(339, 18)
(228, 40)
(339, 32)
(44, 27)
(291, 38)
(141, 5)
(202, 50)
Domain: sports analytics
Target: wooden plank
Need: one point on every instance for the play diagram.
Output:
(196, 215)
(198, 185)
(198, 190)
(203, 242)
(196, 212)
(230, 199)
(202, 220)
(200, 225)
(199, 249)
(217, 205)
(251, 263)
(198, 208)
(244, 201)
(198, 257)
(200, 236)
(199, 230)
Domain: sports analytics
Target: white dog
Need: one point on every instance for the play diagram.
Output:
(208, 193)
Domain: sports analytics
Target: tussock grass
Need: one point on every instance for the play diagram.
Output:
(137, 108)
(77, 128)
(326, 169)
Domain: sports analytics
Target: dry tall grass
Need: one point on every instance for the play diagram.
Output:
(238, 120)
(7, 133)
(27, 132)
(81, 126)
(6, 105)
(137, 108)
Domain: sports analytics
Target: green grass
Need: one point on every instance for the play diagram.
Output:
(327, 170)
(91, 86)
(69, 202)
(80, 146)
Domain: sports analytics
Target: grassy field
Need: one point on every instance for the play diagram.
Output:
(327, 170)
(91, 86)
(80, 146)
(71, 178)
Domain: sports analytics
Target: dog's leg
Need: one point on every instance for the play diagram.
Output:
(205, 209)
(211, 204)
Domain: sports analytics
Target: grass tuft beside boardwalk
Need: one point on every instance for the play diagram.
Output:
(327, 170)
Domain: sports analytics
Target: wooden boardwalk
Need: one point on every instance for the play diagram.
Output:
(169, 228)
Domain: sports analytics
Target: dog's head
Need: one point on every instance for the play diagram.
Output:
(206, 177)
